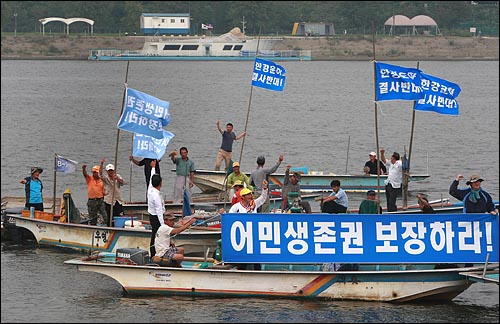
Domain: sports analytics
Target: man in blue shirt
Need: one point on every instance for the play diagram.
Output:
(226, 148)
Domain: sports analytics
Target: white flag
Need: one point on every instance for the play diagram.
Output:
(65, 165)
(203, 26)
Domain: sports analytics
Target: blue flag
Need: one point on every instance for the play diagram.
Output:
(150, 147)
(144, 114)
(268, 75)
(65, 165)
(397, 83)
(440, 96)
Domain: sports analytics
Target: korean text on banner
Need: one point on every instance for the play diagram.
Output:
(144, 114)
(397, 83)
(65, 165)
(268, 75)
(440, 96)
(149, 147)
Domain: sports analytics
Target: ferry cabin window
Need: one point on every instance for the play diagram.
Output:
(237, 47)
(227, 47)
(171, 47)
(189, 47)
(172, 21)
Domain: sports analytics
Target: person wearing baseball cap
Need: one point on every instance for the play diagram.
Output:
(112, 189)
(238, 175)
(371, 165)
(247, 203)
(33, 189)
(475, 199)
(95, 194)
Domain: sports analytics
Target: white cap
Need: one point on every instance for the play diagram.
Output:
(110, 167)
(373, 153)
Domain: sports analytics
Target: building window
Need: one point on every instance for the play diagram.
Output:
(172, 21)
(163, 20)
(171, 47)
(182, 20)
(190, 47)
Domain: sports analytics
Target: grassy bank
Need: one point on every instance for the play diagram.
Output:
(344, 47)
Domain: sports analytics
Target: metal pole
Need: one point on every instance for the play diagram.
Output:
(15, 24)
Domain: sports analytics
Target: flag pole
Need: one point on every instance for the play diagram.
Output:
(406, 173)
(54, 193)
(249, 104)
(376, 117)
(110, 217)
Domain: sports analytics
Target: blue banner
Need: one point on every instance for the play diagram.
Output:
(440, 96)
(65, 165)
(397, 83)
(144, 114)
(268, 75)
(320, 238)
(149, 147)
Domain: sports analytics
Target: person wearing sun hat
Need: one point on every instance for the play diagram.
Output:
(237, 187)
(475, 199)
(33, 189)
(247, 203)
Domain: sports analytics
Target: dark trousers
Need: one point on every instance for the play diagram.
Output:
(117, 209)
(155, 225)
(38, 206)
(391, 194)
(331, 207)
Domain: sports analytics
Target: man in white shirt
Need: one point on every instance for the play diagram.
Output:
(156, 206)
(394, 179)
(247, 203)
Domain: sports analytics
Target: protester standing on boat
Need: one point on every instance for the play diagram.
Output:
(394, 179)
(33, 189)
(423, 204)
(291, 184)
(167, 254)
(370, 205)
(247, 203)
(146, 162)
(156, 206)
(259, 174)
(237, 186)
(226, 148)
(112, 180)
(371, 166)
(337, 202)
(475, 199)
(237, 175)
(184, 171)
(95, 193)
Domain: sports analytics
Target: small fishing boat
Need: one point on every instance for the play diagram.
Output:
(87, 238)
(210, 181)
(203, 277)
(232, 46)
(348, 257)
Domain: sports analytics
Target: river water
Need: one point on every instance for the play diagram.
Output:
(324, 119)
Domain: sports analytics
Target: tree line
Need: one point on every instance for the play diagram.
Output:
(264, 17)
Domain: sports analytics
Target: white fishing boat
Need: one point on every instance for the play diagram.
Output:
(316, 257)
(88, 238)
(210, 181)
(233, 45)
(203, 277)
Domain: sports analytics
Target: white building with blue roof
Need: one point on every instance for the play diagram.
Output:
(165, 23)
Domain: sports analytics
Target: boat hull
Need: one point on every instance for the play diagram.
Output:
(213, 181)
(384, 286)
(88, 238)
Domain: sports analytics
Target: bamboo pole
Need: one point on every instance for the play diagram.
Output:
(110, 217)
(376, 117)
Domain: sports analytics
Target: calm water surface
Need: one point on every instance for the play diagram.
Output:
(324, 119)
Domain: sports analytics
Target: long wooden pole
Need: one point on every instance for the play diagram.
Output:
(406, 173)
(55, 181)
(249, 105)
(376, 117)
(110, 217)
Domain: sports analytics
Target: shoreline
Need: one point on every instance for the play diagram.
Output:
(336, 48)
